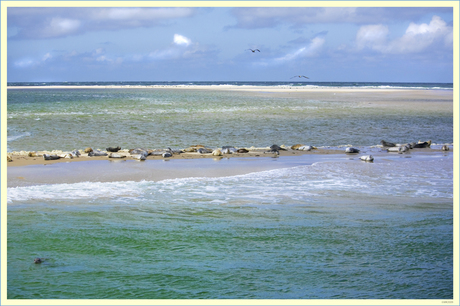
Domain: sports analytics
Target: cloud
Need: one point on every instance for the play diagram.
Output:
(252, 18)
(42, 23)
(181, 40)
(182, 48)
(311, 50)
(417, 38)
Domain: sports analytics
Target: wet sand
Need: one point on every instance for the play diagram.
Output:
(36, 171)
(22, 159)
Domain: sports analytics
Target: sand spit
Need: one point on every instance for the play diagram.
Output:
(24, 158)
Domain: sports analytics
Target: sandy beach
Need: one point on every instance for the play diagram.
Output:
(26, 170)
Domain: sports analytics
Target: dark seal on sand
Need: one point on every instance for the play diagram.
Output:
(113, 149)
(387, 144)
(276, 148)
(50, 157)
(351, 150)
(425, 144)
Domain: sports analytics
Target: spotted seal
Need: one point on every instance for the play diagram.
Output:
(445, 148)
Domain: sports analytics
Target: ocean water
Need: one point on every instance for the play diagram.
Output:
(332, 227)
(161, 118)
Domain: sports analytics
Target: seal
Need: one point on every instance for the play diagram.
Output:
(297, 146)
(167, 154)
(276, 148)
(116, 155)
(139, 151)
(445, 148)
(50, 157)
(401, 149)
(387, 144)
(75, 153)
(87, 150)
(113, 149)
(138, 156)
(203, 150)
(351, 150)
(424, 144)
(217, 152)
(173, 151)
(242, 150)
(38, 260)
(8, 158)
(305, 148)
(97, 153)
(66, 155)
(367, 158)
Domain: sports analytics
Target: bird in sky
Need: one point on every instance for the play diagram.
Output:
(300, 76)
(254, 50)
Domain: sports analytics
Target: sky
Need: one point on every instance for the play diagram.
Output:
(327, 44)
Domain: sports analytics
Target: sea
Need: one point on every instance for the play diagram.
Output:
(310, 227)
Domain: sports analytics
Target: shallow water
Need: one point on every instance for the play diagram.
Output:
(67, 119)
(309, 227)
(327, 230)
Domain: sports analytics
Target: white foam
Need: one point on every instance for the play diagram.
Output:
(406, 178)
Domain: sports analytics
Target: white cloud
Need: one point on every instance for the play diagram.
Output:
(181, 40)
(46, 57)
(372, 36)
(269, 17)
(41, 23)
(311, 50)
(59, 27)
(24, 63)
(417, 38)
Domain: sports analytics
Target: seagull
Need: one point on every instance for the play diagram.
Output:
(300, 76)
(254, 50)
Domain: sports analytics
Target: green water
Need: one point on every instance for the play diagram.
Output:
(48, 119)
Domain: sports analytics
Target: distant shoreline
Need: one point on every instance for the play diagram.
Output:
(272, 88)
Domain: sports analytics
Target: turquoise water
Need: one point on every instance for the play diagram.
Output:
(340, 230)
(334, 228)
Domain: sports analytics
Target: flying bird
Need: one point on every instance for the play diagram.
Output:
(300, 76)
(254, 50)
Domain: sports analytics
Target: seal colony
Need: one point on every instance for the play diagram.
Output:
(201, 151)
